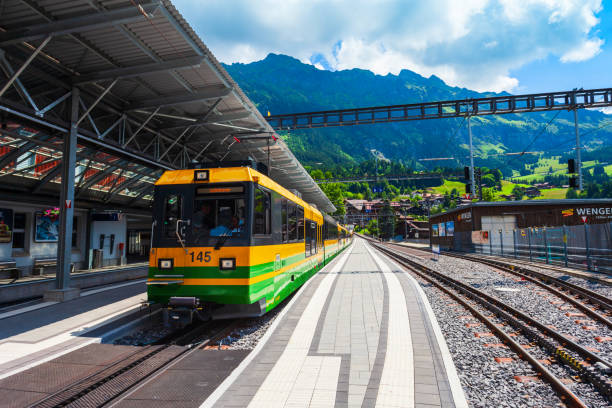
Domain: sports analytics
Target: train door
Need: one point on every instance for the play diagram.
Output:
(313, 238)
(172, 229)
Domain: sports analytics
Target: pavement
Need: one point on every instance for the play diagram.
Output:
(359, 334)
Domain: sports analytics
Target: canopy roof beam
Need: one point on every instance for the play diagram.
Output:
(210, 120)
(129, 72)
(78, 24)
(212, 92)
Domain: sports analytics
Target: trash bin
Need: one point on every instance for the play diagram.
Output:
(97, 258)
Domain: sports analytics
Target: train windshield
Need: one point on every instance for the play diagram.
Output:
(217, 215)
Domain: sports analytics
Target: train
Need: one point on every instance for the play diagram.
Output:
(227, 241)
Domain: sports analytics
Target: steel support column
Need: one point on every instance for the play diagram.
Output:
(473, 184)
(578, 149)
(66, 204)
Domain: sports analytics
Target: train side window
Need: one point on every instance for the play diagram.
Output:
(293, 231)
(173, 211)
(308, 239)
(300, 223)
(261, 212)
(284, 228)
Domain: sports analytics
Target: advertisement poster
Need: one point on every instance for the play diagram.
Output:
(450, 228)
(442, 230)
(434, 230)
(46, 227)
(6, 225)
(480, 237)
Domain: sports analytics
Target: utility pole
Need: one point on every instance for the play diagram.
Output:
(578, 148)
(473, 185)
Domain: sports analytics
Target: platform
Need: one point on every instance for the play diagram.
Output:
(29, 287)
(360, 333)
(41, 331)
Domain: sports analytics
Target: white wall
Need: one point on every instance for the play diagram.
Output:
(505, 223)
(119, 228)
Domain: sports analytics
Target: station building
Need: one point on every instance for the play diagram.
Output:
(97, 101)
(568, 231)
(100, 237)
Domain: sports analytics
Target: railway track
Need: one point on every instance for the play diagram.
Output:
(591, 303)
(109, 384)
(550, 341)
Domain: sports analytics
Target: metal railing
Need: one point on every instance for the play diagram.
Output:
(587, 246)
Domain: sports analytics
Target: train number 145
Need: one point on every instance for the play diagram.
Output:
(200, 256)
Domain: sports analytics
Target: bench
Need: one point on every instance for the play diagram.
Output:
(39, 265)
(8, 269)
(38, 268)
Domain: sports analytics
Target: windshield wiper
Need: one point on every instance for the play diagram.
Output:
(223, 238)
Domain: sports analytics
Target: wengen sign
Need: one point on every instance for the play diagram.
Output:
(594, 211)
(590, 214)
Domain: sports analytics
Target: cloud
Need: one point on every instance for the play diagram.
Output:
(471, 43)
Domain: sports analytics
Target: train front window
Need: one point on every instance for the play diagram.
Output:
(215, 216)
(173, 205)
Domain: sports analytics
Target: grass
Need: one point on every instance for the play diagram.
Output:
(542, 167)
(552, 193)
(507, 187)
(485, 148)
(448, 186)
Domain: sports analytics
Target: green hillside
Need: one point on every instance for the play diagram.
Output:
(282, 84)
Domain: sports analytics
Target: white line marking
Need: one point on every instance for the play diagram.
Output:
(227, 383)
(120, 285)
(451, 371)
(396, 387)
(25, 309)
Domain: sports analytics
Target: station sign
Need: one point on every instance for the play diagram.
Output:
(589, 214)
(465, 216)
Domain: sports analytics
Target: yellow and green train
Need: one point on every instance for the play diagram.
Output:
(231, 242)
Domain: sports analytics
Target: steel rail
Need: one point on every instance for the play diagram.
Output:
(588, 355)
(435, 278)
(545, 281)
(592, 296)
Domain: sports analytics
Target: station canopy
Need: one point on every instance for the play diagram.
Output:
(151, 97)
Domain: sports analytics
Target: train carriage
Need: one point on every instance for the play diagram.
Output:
(230, 242)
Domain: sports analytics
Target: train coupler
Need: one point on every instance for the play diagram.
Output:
(181, 310)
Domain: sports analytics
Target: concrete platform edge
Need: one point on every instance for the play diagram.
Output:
(30, 290)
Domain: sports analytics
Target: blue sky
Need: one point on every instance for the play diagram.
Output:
(519, 46)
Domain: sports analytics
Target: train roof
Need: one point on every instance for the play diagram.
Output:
(232, 175)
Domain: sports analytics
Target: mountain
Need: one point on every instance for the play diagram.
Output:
(282, 84)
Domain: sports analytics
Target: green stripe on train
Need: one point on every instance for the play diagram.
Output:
(274, 288)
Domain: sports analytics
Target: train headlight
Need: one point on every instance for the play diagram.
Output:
(165, 264)
(200, 175)
(226, 264)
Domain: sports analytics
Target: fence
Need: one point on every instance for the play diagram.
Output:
(587, 246)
